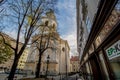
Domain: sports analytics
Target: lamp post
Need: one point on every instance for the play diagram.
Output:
(48, 58)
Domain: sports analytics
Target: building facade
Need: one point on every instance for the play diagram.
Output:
(74, 62)
(23, 59)
(58, 53)
(59, 59)
(99, 22)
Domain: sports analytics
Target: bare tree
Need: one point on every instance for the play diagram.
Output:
(2, 2)
(26, 16)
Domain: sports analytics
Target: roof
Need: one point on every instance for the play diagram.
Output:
(74, 58)
(6, 36)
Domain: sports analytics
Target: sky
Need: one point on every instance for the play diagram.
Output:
(66, 18)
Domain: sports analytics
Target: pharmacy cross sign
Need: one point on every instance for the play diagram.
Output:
(114, 50)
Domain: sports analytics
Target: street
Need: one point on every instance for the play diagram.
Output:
(73, 77)
(3, 76)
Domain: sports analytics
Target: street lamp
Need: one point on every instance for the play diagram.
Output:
(48, 58)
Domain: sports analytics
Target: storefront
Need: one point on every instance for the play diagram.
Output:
(101, 58)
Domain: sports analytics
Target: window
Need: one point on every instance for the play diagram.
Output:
(102, 62)
(113, 54)
(88, 24)
(53, 25)
(63, 49)
(46, 23)
(74, 65)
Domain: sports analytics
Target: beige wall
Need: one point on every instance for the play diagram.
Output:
(64, 57)
(74, 66)
(57, 62)
(30, 66)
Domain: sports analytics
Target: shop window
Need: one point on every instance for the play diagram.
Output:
(102, 62)
(113, 54)
(88, 69)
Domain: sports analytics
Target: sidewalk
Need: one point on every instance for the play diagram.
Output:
(36, 79)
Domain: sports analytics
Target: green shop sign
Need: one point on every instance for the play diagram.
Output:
(114, 50)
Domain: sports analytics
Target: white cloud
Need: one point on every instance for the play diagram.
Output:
(71, 38)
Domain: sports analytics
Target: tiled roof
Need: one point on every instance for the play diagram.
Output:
(74, 58)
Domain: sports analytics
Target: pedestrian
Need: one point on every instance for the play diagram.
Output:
(76, 77)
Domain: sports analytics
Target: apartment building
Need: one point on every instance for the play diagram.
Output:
(23, 59)
(74, 62)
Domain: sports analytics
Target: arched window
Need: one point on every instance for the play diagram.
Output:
(53, 25)
(46, 23)
(63, 49)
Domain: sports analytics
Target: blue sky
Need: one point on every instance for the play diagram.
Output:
(66, 18)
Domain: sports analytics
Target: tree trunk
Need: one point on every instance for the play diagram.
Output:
(13, 69)
(38, 68)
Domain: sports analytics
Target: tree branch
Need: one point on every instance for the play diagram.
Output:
(5, 42)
